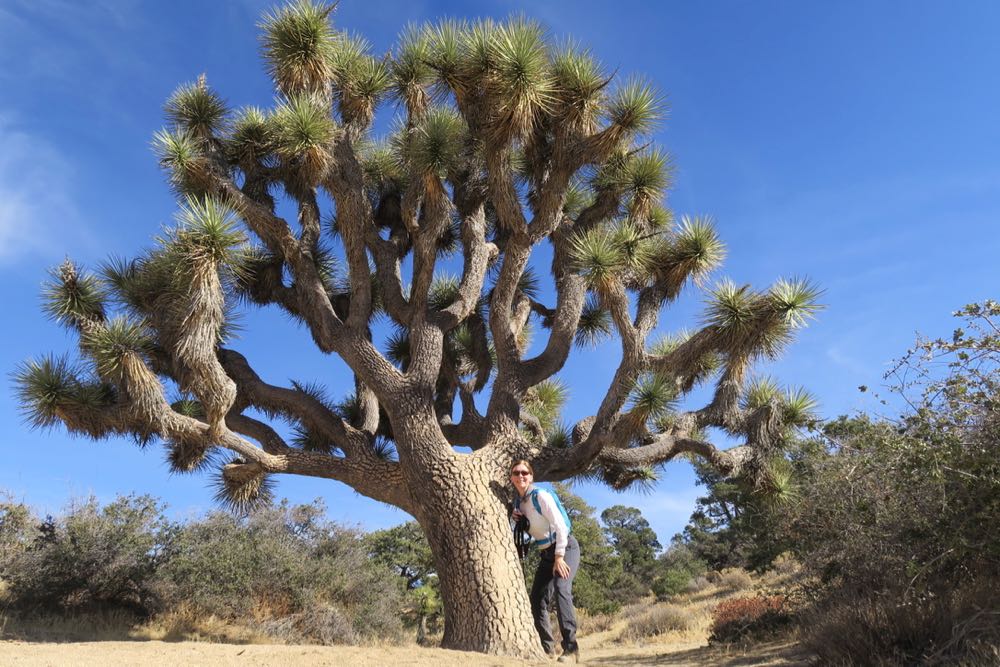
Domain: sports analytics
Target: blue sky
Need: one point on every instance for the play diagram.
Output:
(854, 143)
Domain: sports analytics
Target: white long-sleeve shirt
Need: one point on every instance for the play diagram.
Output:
(547, 526)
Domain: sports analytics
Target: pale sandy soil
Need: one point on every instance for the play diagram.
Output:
(182, 654)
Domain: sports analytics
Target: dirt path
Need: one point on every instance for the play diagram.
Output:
(183, 654)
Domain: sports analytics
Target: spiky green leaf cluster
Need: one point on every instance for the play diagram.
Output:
(398, 348)
(443, 292)
(50, 390)
(579, 83)
(796, 299)
(646, 178)
(303, 131)
(207, 232)
(70, 297)
(108, 345)
(435, 145)
(181, 156)
(691, 252)
(578, 197)
(605, 255)
(762, 391)
(43, 387)
(595, 324)
(545, 401)
(796, 406)
(642, 479)
(382, 169)
(524, 86)
(410, 68)
(188, 408)
(360, 79)
(309, 440)
(635, 107)
(799, 407)
(760, 324)
(652, 396)
(186, 457)
(251, 138)
(196, 109)
(298, 43)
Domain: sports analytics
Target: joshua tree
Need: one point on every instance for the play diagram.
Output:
(503, 141)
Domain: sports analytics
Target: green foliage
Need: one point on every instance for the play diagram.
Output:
(180, 154)
(90, 558)
(545, 401)
(71, 297)
(435, 146)
(635, 107)
(632, 538)
(404, 549)
(298, 45)
(196, 109)
(284, 569)
(595, 324)
(251, 138)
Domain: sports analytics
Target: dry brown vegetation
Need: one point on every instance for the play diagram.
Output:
(670, 632)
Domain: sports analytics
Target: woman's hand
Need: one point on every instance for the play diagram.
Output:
(517, 515)
(560, 568)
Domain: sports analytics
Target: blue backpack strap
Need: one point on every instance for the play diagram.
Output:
(562, 510)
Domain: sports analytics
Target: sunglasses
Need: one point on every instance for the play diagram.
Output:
(520, 473)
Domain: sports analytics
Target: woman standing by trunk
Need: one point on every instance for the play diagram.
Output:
(549, 527)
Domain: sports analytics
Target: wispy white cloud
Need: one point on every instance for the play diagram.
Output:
(38, 217)
(68, 41)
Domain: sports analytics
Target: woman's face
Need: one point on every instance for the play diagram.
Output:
(520, 477)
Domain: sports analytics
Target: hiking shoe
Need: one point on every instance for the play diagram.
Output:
(570, 656)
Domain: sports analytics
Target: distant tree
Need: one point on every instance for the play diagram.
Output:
(633, 539)
(736, 524)
(635, 546)
(505, 141)
(404, 549)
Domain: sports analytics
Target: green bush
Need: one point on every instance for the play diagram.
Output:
(89, 558)
(671, 582)
(282, 562)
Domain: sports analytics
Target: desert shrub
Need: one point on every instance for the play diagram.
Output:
(959, 628)
(671, 582)
(742, 618)
(91, 558)
(676, 568)
(283, 562)
(735, 579)
(18, 529)
(319, 624)
(658, 620)
(697, 585)
(594, 623)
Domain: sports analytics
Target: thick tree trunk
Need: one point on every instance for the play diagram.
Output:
(482, 586)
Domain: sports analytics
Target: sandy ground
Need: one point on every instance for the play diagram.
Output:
(182, 654)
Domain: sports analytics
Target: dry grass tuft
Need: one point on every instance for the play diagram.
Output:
(660, 620)
(735, 579)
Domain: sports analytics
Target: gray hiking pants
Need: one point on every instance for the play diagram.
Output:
(548, 588)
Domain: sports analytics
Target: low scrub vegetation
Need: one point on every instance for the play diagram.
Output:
(658, 620)
(742, 618)
(284, 570)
